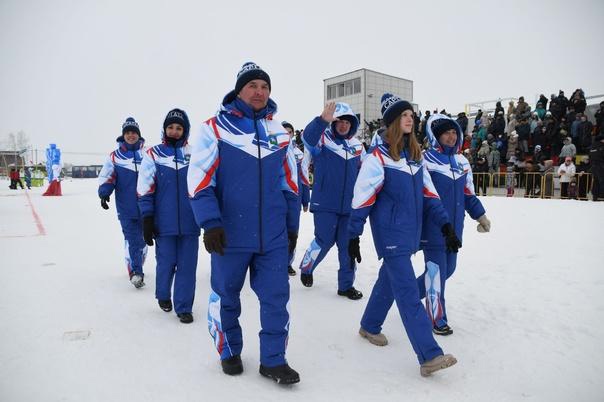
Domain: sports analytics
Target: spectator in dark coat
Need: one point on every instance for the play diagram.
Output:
(523, 129)
(555, 107)
(462, 120)
(498, 108)
(596, 157)
(543, 100)
(578, 101)
(563, 102)
(481, 171)
(584, 139)
(583, 167)
(537, 135)
(498, 126)
(478, 116)
(600, 119)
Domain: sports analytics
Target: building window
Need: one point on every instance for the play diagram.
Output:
(331, 91)
(356, 86)
(345, 88)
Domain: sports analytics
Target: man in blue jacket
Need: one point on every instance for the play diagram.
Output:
(120, 173)
(336, 155)
(452, 177)
(242, 184)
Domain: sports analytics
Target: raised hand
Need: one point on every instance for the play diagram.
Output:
(330, 109)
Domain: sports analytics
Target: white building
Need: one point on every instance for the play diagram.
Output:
(362, 90)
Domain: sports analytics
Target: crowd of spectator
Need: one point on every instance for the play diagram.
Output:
(523, 139)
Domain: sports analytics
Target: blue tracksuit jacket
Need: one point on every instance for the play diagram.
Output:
(395, 195)
(243, 177)
(451, 174)
(120, 173)
(336, 164)
(162, 188)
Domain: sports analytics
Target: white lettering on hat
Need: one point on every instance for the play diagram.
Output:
(176, 114)
(248, 67)
(390, 101)
(130, 124)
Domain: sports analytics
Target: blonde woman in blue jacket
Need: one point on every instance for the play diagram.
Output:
(394, 190)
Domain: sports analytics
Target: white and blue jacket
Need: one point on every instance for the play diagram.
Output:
(120, 173)
(243, 177)
(452, 177)
(162, 188)
(302, 163)
(395, 195)
(336, 162)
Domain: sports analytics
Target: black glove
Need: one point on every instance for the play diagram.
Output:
(451, 240)
(354, 249)
(148, 229)
(104, 201)
(214, 240)
(292, 240)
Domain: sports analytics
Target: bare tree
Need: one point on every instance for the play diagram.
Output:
(15, 142)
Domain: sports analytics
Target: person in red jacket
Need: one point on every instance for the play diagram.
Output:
(15, 179)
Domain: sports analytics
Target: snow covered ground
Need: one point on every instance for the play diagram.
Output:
(525, 303)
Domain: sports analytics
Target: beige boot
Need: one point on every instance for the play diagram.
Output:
(438, 363)
(376, 339)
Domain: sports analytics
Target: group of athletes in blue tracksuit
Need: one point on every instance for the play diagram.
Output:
(244, 183)
(152, 203)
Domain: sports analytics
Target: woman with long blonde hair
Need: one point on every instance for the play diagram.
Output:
(394, 190)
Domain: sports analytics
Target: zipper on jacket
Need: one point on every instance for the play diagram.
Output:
(177, 189)
(345, 178)
(259, 184)
(417, 223)
(454, 194)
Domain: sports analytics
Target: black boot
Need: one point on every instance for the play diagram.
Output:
(165, 305)
(291, 271)
(351, 293)
(306, 280)
(232, 365)
(185, 318)
(282, 374)
(444, 330)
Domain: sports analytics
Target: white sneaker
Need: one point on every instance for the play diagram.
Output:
(137, 281)
(376, 339)
(438, 363)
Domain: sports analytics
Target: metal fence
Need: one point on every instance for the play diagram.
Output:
(532, 185)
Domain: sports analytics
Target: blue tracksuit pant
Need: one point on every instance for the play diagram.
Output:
(440, 265)
(330, 229)
(270, 281)
(396, 281)
(134, 245)
(176, 258)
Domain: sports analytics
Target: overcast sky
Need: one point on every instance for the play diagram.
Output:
(72, 71)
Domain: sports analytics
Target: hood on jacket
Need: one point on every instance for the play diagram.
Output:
(436, 119)
(344, 109)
